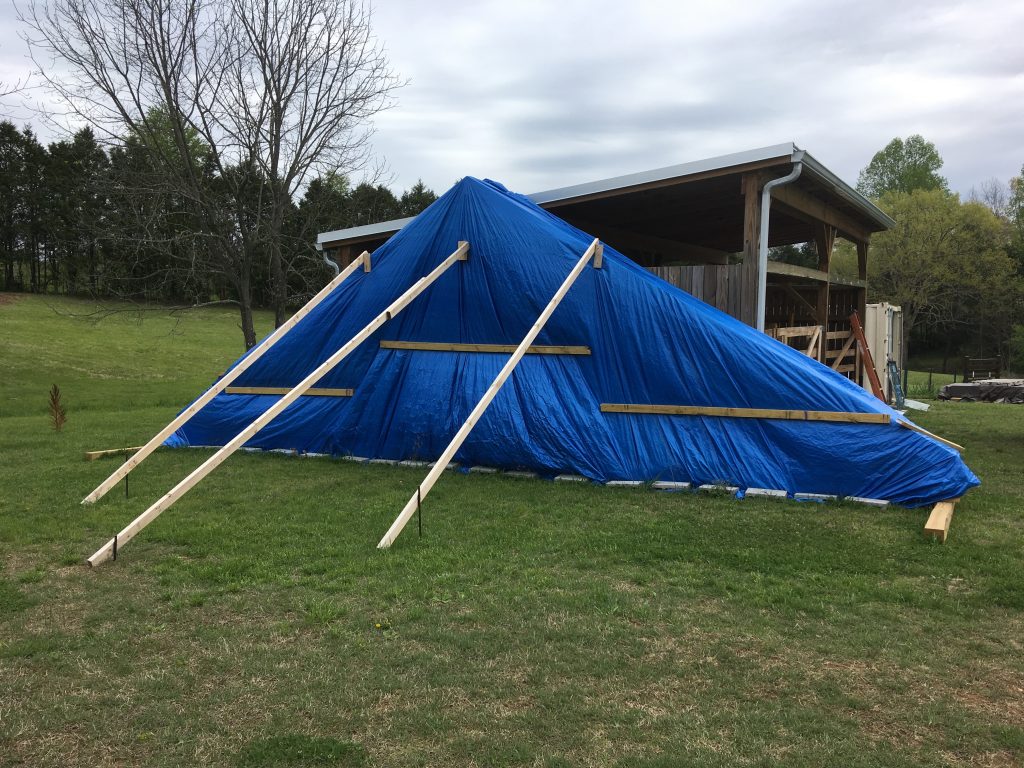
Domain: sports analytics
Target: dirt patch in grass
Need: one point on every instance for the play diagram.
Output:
(8, 298)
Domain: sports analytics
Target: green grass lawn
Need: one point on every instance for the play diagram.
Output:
(534, 623)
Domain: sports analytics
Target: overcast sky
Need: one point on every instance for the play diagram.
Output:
(546, 94)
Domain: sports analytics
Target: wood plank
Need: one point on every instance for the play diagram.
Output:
(129, 532)
(797, 330)
(939, 520)
(814, 346)
(914, 428)
(449, 453)
(793, 270)
(669, 252)
(869, 363)
(806, 206)
(312, 392)
(93, 455)
(536, 349)
(746, 413)
(842, 355)
(848, 368)
(158, 439)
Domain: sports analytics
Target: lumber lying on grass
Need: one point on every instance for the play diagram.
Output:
(93, 455)
(109, 549)
(939, 520)
(423, 489)
(363, 260)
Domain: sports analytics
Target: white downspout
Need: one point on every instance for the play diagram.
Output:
(332, 264)
(762, 241)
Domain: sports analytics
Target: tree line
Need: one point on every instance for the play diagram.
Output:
(955, 266)
(77, 218)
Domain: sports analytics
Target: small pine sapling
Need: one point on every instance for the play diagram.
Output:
(58, 415)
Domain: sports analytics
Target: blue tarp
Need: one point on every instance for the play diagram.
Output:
(650, 343)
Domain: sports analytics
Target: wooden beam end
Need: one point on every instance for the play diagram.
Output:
(464, 250)
(103, 554)
(599, 256)
(938, 521)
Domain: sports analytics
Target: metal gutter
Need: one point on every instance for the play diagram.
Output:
(777, 151)
(824, 176)
(762, 242)
(787, 151)
(367, 230)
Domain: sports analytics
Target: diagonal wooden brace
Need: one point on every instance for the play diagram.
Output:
(478, 411)
(133, 528)
(140, 455)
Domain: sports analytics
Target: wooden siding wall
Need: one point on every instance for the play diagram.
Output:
(719, 286)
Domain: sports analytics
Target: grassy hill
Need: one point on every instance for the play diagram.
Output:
(534, 623)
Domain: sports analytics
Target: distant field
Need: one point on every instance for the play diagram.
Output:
(534, 623)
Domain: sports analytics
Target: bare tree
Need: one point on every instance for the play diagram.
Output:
(8, 89)
(994, 195)
(239, 103)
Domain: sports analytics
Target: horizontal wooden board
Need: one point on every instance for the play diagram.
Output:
(800, 330)
(313, 392)
(746, 413)
(537, 349)
(93, 455)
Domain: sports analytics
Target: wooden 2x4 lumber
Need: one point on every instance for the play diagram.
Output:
(456, 442)
(797, 330)
(939, 520)
(808, 207)
(838, 364)
(746, 413)
(536, 349)
(93, 455)
(313, 392)
(914, 428)
(221, 384)
(108, 550)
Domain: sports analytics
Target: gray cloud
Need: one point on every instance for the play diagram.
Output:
(540, 95)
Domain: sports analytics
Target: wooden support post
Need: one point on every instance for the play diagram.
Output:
(747, 271)
(824, 242)
(939, 520)
(243, 365)
(126, 535)
(460, 437)
(862, 300)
